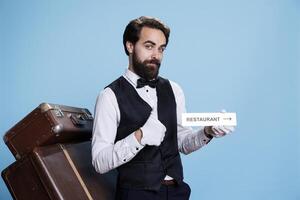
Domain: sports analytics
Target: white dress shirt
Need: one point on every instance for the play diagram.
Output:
(106, 154)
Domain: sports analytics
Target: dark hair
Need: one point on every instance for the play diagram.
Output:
(133, 29)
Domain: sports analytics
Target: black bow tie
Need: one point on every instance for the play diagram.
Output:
(142, 82)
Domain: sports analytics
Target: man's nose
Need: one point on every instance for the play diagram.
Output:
(156, 54)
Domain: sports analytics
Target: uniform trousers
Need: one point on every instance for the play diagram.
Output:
(167, 192)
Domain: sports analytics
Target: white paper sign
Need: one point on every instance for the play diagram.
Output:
(209, 119)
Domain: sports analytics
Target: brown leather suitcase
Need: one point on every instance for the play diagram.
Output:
(23, 182)
(49, 124)
(57, 172)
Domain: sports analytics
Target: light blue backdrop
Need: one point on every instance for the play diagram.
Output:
(240, 55)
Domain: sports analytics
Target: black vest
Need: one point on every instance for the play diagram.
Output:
(149, 167)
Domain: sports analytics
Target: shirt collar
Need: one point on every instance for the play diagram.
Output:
(131, 76)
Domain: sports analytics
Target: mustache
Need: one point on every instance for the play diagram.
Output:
(153, 61)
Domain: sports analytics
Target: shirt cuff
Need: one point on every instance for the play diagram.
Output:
(203, 137)
(133, 143)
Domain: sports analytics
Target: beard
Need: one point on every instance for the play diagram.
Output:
(147, 69)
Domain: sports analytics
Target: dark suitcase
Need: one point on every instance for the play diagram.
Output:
(23, 182)
(57, 172)
(49, 124)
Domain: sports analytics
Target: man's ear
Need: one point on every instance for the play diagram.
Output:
(129, 47)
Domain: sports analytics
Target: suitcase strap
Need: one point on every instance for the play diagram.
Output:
(88, 194)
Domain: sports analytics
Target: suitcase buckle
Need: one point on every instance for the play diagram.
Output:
(78, 120)
(87, 115)
(58, 112)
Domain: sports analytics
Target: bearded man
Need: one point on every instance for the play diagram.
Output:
(137, 126)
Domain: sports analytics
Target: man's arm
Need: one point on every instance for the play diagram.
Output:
(106, 154)
(188, 139)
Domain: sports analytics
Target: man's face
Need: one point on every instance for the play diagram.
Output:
(147, 53)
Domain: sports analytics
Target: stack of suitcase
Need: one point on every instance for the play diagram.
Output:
(52, 148)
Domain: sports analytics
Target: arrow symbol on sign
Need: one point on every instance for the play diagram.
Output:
(227, 118)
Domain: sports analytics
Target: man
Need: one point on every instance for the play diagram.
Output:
(137, 127)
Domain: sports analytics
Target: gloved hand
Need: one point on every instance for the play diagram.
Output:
(153, 131)
(219, 131)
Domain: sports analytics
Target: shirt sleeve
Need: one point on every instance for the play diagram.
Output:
(188, 139)
(106, 154)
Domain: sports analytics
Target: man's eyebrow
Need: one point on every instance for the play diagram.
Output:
(153, 43)
(149, 41)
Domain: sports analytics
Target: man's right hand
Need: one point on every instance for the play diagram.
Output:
(153, 131)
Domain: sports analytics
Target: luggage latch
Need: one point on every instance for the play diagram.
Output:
(58, 112)
(87, 115)
(78, 120)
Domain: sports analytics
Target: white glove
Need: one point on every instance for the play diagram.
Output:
(153, 131)
(220, 131)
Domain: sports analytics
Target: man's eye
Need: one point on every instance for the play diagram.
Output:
(162, 49)
(149, 46)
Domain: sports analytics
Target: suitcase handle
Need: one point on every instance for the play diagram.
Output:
(78, 120)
